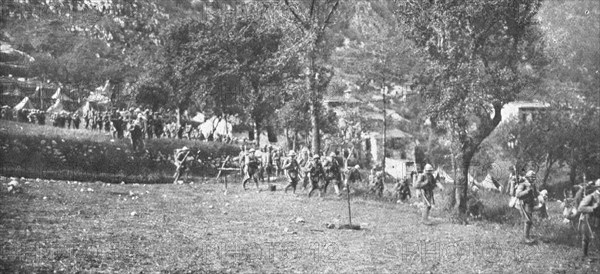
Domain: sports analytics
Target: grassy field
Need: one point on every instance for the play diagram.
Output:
(69, 226)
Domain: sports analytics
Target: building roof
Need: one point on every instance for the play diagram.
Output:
(391, 133)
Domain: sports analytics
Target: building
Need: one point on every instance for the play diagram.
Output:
(522, 110)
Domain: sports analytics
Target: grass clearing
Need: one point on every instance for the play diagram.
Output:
(63, 226)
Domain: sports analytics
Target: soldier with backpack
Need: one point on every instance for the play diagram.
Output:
(315, 174)
(181, 165)
(590, 209)
(136, 134)
(251, 164)
(527, 194)
(426, 184)
(292, 169)
(333, 175)
(377, 180)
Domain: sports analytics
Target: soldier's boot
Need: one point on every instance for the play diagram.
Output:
(527, 231)
(425, 216)
(288, 186)
(585, 244)
(244, 183)
(337, 189)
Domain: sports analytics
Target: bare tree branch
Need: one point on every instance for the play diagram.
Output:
(306, 25)
(330, 15)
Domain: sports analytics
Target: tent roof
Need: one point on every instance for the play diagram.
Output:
(98, 98)
(59, 95)
(24, 104)
(56, 107)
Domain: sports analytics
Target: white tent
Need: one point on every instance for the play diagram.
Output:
(216, 126)
(24, 104)
(58, 95)
(98, 98)
(56, 107)
(199, 118)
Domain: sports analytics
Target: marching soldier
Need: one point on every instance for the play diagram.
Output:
(136, 134)
(315, 173)
(181, 166)
(377, 180)
(277, 161)
(292, 169)
(353, 176)
(304, 171)
(403, 189)
(331, 167)
(589, 208)
(250, 168)
(427, 183)
(527, 193)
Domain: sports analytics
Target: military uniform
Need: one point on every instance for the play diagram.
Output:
(353, 176)
(315, 173)
(181, 165)
(590, 211)
(527, 193)
(331, 167)
(251, 164)
(292, 169)
(403, 189)
(135, 133)
(426, 184)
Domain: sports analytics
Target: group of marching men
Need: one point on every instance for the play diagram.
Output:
(319, 172)
(314, 172)
(583, 211)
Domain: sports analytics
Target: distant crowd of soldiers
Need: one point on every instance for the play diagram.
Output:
(135, 124)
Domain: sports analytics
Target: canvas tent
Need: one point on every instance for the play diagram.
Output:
(58, 95)
(24, 104)
(217, 126)
(199, 118)
(98, 98)
(56, 107)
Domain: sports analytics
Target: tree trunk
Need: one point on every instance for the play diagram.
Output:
(573, 174)
(257, 133)
(461, 183)
(314, 118)
(549, 164)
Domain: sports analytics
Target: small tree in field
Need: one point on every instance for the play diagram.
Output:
(479, 56)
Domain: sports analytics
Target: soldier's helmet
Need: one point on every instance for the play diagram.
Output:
(530, 174)
(252, 150)
(332, 154)
(185, 148)
(316, 156)
(356, 167)
(428, 168)
(292, 153)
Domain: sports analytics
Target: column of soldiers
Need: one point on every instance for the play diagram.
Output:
(313, 172)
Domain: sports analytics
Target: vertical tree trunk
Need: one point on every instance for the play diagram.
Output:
(314, 118)
(257, 133)
(573, 174)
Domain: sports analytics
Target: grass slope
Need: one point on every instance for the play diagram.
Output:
(72, 227)
(29, 150)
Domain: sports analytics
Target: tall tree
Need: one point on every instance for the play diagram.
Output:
(313, 17)
(480, 55)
